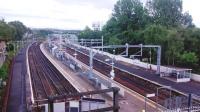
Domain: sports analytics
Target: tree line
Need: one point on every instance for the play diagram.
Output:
(13, 30)
(160, 22)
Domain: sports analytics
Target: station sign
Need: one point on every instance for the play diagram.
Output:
(150, 95)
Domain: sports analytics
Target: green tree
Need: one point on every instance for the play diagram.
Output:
(9, 47)
(114, 41)
(169, 13)
(160, 22)
(87, 33)
(191, 38)
(128, 16)
(189, 58)
(174, 48)
(6, 32)
(155, 34)
(20, 29)
(41, 32)
(170, 40)
(110, 29)
(186, 20)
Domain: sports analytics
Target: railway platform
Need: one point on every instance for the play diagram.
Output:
(17, 90)
(192, 87)
(130, 102)
(134, 78)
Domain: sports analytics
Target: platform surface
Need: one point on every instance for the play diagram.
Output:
(17, 95)
(186, 87)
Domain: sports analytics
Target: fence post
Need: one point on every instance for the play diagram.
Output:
(189, 102)
(115, 99)
(50, 104)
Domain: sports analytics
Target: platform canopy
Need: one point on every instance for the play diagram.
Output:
(179, 74)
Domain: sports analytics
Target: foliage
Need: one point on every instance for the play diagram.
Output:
(114, 40)
(12, 31)
(155, 34)
(9, 47)
(4, 71)
(6, 32)
(188, 58)
(166, 12)
(169, 39)
(42, 32)
(169, 13)
(20, 29)
(186, 20)
(130, 14)
(174, 47)
(87, 33)
(160, 22)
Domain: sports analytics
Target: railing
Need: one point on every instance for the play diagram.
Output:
(185, 109)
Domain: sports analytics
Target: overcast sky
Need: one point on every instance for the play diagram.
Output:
(70, 14)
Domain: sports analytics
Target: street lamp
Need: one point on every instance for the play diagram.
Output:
(113, 59)
(75, 54)
(150, 56)
(112, 73)
(163, 87)
(148, 96)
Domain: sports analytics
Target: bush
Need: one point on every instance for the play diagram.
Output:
(10, 47)
(4, 70)
(188, 58)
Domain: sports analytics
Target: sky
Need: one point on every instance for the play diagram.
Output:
(70, 14)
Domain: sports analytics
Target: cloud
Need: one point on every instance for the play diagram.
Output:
(67, 14)
(192, 6)
(100, 4)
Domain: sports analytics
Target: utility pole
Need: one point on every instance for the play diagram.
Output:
(126, 49)
(158, 60)
(91, 64)
(102, 42)
(189, 102)
(112, 72)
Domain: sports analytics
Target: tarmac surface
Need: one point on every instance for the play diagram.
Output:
(17, 95)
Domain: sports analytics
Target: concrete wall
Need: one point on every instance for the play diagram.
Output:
(59, 107)
(195, 77)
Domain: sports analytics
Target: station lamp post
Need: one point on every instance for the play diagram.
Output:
(148, 96)
(75, 55)
(112, 73)
(102, 43)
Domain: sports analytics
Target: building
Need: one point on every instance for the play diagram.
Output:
(2, 47)
(96, 26)
(2, 52)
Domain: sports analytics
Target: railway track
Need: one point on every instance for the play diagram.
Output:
(125, 78)
(46, 79)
